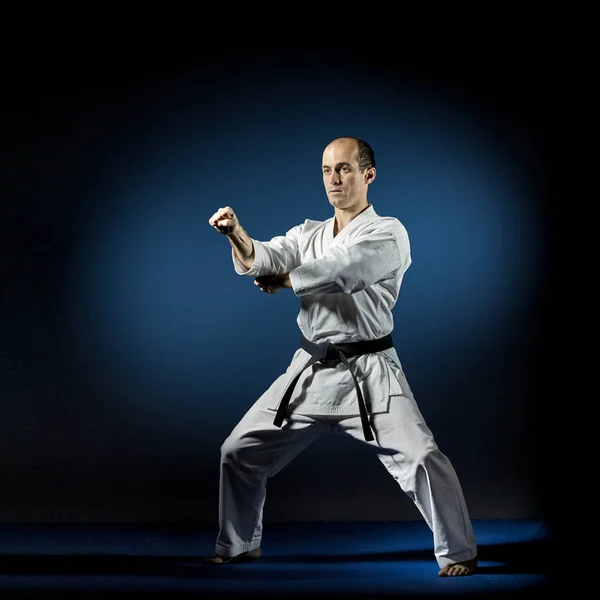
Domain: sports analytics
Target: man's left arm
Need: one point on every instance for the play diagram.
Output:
(349, 269)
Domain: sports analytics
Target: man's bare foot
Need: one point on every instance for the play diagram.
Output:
(224, 560)
(466, 567)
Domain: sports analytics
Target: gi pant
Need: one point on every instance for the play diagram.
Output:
(256, 450)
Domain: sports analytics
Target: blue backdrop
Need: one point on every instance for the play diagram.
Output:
(152, 347)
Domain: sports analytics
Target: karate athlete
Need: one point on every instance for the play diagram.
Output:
(346, 376)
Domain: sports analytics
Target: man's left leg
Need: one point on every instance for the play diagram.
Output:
(425, 474)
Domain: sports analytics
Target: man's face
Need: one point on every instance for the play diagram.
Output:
(345, 185)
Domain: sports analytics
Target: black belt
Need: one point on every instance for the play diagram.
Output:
(326, 351)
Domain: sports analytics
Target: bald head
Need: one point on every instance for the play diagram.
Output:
(361, 150)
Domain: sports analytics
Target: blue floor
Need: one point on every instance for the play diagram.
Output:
(299, 559)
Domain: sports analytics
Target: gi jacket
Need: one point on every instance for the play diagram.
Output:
(348, 286)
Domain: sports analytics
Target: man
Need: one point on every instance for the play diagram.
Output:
(346, 377)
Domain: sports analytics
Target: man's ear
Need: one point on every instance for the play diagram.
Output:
(370, 175)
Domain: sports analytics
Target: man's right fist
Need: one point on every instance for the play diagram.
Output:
(224, 221)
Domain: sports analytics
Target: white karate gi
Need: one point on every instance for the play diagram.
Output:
(347, 285)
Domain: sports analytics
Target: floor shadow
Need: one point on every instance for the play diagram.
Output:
(531, 557)
(513, 558)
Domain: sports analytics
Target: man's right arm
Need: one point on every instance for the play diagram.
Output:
(242, 246)
(226, 222)
(279, 255)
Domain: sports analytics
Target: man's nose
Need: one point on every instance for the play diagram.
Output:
(334, 177)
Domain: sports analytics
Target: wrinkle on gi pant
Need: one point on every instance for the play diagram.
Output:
(256, 449)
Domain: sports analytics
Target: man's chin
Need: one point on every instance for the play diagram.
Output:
(336, 199)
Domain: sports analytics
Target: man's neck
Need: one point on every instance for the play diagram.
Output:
(343, 217)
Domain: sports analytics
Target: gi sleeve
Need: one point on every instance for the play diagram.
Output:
(279, 255)
(348, 269)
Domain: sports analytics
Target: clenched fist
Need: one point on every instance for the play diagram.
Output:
(224, 221)
(271, 284)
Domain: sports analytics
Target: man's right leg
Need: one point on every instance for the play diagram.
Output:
(254, 451)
